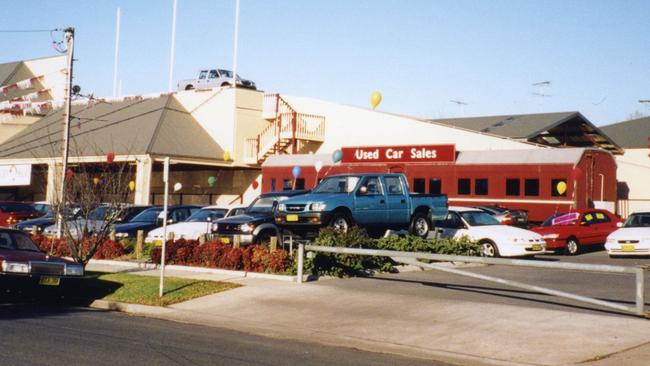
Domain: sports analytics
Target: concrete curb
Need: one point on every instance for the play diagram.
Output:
(202, 270)
(145, 310)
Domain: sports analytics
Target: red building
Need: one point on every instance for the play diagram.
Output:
(542, 181)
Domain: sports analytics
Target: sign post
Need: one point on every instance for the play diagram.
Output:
(164, 214)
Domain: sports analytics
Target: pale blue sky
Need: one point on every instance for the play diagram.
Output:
(419, 54)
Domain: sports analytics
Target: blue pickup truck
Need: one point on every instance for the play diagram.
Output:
(373, 201)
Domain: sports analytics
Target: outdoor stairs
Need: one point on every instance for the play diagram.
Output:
(288, 131)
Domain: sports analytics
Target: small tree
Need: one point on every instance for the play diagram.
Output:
(101, 190)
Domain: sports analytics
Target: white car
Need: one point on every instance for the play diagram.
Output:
(496, 239)
(199, 223)
(633, 238)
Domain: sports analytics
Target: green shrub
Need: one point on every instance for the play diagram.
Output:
(344, 265)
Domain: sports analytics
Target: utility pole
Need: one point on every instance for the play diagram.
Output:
(69, 39)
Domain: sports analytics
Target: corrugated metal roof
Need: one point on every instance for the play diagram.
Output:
(537, 156)
(7, 71)
(630, 134)
(137, 127)
(513, 126)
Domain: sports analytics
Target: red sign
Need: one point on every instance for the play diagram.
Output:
(400, 154)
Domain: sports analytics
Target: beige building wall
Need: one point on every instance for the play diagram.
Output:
(634, 174)
(354, 126)
(53, 71)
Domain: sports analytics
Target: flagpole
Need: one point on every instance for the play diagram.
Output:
(234, 57)
(171, 55)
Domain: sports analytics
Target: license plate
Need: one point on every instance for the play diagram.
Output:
(225, 240)
(49, 281)
(537, 247)
(157, 243)
(292, 218)
(627, 248)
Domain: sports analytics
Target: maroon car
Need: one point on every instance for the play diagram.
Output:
(569, 231)
(21, 258)
(14, 212)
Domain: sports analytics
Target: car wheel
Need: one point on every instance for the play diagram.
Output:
(264, 238)
(419, 225)
(489, 249)
(189, 87)
(341, 223)
(572, 247)
(225, 84)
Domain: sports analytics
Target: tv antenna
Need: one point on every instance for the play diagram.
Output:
(541, 92)
(461, 105)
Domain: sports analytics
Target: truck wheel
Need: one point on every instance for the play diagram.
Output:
(264, 238)
(341, 222)
(225, 84)
(189, 87)
(420, 225)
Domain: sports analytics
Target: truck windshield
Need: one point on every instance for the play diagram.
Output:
(344, 184)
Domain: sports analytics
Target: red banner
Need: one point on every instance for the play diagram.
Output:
(400, 154)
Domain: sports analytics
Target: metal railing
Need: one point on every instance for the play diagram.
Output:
(412, 258)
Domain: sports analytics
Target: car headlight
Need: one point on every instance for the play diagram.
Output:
(247, 228)
(74, 270)
(15, 267)
(551, 236)
(318, 206)
(215, 227)
(282, 207)
(122, 235)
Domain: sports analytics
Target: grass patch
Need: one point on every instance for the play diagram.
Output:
(136, 289)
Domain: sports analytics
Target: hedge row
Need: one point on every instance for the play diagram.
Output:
(109, 249)
(252, 258)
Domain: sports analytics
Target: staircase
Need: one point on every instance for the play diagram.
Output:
(288, 131)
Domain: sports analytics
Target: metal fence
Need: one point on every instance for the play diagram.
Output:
(412, 258)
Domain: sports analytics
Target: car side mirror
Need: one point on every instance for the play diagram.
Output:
(209, 219)
(619, 224)
(362, 190)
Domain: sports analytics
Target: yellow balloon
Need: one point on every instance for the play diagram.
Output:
(375, 99)
(561, 187)
(226, 155)
(131, 185)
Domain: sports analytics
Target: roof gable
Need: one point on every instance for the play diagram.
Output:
(630, 134)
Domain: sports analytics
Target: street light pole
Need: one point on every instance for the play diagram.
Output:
(164, 241)
(69, 37)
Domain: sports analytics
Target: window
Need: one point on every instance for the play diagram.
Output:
(300, 183)
(419, 185)
(394, 185)
(602, 218)
(435, 186)
(372, 185)
(531, 187)
(213, 74)
(287, 184)
(558, 187)
(481, 186)
(513, 187)
(272, 184)
(203, 74)
(464, 186)
(452, 221)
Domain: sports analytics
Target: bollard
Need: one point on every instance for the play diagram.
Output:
(112, 235)
(138, 244)
(236, 240)
(201, 239)
(301, 259)
(273, 244)
(170, 236)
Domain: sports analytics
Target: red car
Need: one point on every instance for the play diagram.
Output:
(571, 230)
(22, 262)
(13, 212)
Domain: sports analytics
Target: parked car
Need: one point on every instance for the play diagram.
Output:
(506, 216)
(21, 259)
(199, 223)
(256, 225)
(210, 78)
(71, 213)
(497, 240)
(15, 212)
(633, 238)
(152, 218)
(374, 201)
(42, 207)
(570, 231)
(95, 220)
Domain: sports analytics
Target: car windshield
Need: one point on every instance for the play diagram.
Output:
(562, 218)
(98, 214)
(265, 204)
(479, 218)
(149, 215)
(17, 241)
(203, 215)
(638, 220)
(237, 211)
(345, 184)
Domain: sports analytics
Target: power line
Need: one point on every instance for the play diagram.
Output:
(26, 30)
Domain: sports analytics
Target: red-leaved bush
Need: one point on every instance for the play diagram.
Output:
(252, 258)
(109, 249)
